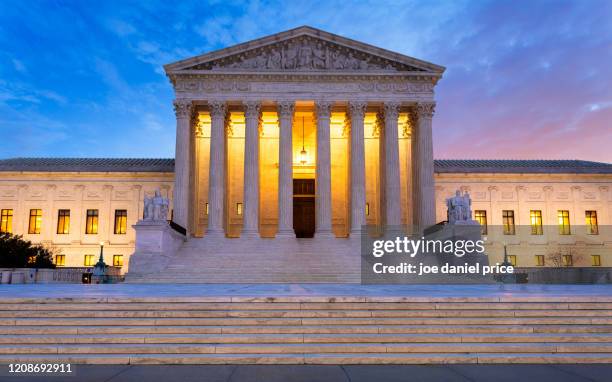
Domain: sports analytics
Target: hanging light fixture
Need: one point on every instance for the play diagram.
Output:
(303, 153)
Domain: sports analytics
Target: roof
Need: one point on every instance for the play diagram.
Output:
(441, 165)
(514, 166)
(87, 164)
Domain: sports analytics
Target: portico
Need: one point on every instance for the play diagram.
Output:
(303, 104)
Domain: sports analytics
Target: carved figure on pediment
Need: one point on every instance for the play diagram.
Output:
(274, 60)
(337, 60)
(305, 57)
(351, 62)
(291, 56)
(318, 54)
(260, 61)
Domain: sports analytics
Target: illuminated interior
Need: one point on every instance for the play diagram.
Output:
(304, 166)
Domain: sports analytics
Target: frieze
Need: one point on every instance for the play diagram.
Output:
(304, 53)
(319, 85)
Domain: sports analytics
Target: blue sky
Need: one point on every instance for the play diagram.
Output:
(524, 79)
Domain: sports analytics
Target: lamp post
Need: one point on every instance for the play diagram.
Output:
(99, 271)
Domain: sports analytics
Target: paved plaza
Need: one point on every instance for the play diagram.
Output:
(323, 373)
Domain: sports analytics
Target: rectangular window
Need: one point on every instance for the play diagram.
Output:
(6, 221)
(238, 209)
(367, 211)
(63, 222)
(60, 260)
(206, 208)
(481, 217)
(89, 261)
(512, 260)
(120, 222)
(118, 260)
(508, 221)
(568, 261)
(35, 221)
(539, 260)
(596, 260)
(91, 224)
(591, 223)
(535, 216)
(564, 223)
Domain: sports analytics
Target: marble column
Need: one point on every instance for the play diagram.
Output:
(357, 168)
(182, 109)
(250, 226)
(423, 193)
(393, 208)
(285, 170)
(216, 185)
(323, 169)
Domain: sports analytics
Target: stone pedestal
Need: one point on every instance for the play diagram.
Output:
(156, 243)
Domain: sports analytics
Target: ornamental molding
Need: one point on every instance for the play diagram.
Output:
(233, 84)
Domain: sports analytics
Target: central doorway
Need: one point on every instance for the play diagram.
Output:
(304, 207)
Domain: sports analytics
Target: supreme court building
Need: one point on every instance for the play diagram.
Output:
(285, 147)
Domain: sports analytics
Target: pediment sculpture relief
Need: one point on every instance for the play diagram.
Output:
(304, 53)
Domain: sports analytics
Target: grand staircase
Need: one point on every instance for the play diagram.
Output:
(306, 330)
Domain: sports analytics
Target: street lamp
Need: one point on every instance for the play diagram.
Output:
(99, 271)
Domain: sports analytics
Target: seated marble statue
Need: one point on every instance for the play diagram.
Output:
(459, 208)
(156, 207)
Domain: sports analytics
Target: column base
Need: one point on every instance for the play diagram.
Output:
(324, 234)
(285, 233)
(215, 233)
(250, 234)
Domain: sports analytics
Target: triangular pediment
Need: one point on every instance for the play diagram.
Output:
(303, 49)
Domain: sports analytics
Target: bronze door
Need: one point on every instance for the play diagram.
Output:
(304, 207)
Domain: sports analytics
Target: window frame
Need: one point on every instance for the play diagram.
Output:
(115, 262)
(508, 222)
(535, 221)
(591, 222)
(120, 227)
(6, 220)
(62, 222)
(91, 263)
(60, 263)
(567, 260)
(35, 221)
(563, 221)
(540, 260)
(90, 227)
(481, 216)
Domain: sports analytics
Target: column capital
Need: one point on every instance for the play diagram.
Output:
(252, 109)
(391, 110)
(357, 109)
(217, 108)
(182, 107)
(323, 108)
(424, 110)
(285, 108)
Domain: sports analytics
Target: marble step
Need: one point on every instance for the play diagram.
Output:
(189, 306)
(301, 313)
(189, 338)
(303, 329)
(291, 321)
(310, 348)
